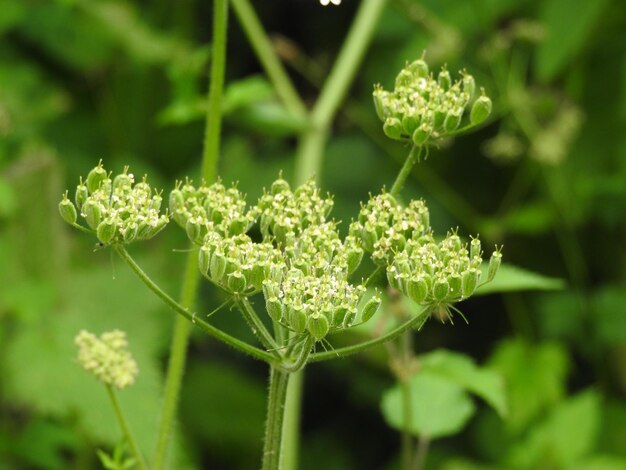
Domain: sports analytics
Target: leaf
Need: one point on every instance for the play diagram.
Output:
(513, 279)
(610, 321)
(566, 436)
(462, 370)
(568, 28)
(439, 407)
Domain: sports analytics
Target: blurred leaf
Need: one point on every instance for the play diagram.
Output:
(534, 377)
(566, 436)
(567, 28)
(603, 462)
(609, 319)
(43, 443)
(11, 13)
(246, 92)
(512, 279)
(462, 370)
(529, 219)
(439, 407)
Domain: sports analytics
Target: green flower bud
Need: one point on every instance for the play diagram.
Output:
(280, 186)
(494, 264)
(130, 232)
(392, 277)
(417, 289)
(68, 210)
(369, 237)
(204, 260)
(338, 316)
(441, 289)
(195, 231)
(455, 282)
(81, 195)
(95, 177)
(370, 308)
(236, 282)
(418, 68)
(475, 250)
(297, 319)
(354, 258)
(123, 181)
(318, 326)
(393, 128)
(410, 122)
(379, 95)
(469, 85)
(470, 282)
(453, 119)
(444, 79)
(258, 274)
(92, 213)
(348, 319)
(422, 133)
(404, 79)
(217, 266)
(481, 109)
(238, 226)
(274, 308)
(177, 204)
(106, 231)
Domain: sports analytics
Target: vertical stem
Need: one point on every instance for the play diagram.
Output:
(407, 411)
(423, 444)
(272, 449)
(210, 157)
(310, 151)
(409, 163)
(134, 448)
(291, 425)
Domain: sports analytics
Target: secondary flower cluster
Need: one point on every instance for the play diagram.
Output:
(107, 357)
(422, 108)
(118, 210)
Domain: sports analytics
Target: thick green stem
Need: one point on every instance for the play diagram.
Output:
(409, 163)
(291, 425)
(407, 413)
(355, 348)
(128, 435)
(210, 158)
(189, 316)
(272, 448)
(310, 152)
(267, 56)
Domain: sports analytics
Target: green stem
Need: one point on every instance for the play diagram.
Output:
(180, 336)
(192, 317)
(409, 163)
(310, 152)
(269, 59)
(355, 348)
(134, 448)
(273, 442)
(291, 420)
(407, 412)
(423, 444)
(257, 326)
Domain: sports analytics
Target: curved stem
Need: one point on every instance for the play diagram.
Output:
(355, 348)
(273, 441)
(192, 317)
(310, 151)
(262, 46)
(409, 163)
(134, 448)
(257, 326)
(304, 355)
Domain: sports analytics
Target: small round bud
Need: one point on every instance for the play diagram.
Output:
(475, 250)
(392, 277)
(422, 133)
(123, 181)
(494, 264)
(354, 258)
(274, 308)
(297, 319)
(81, 195)
(130, 232)
(441, 289)
(444, 79)
(68, 210)
(469, 282)
(204, 260)
(237, 226)
(393, 128)
(106, 231)
(318, 326)
(481, 109)
(338, 316)
(417, 289)
(92, 213)
(176, 204)
(452, 121)
(379, 95)
(404, 79)
(455, 282)
(410, 122)
(236, 282)
(419, 68)
(370, 308)
(95, 177)
(195, 231)
(217, 266)
(469, 85)
(280, 186)
(348, 319)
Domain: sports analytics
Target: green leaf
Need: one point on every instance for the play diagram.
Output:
(568, 28)
(513, 279)
(566, 436)
(462, 370)
(609, 319)
(439, 407)
(534, 377)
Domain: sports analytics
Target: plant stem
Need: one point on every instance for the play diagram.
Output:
(355, 348)
(262, 46)
(310, 151)
(257, 326)
(409, 163)
(272, 448)
(291, 420)
(210, 158)
(423, 444)
(407, 412)
(134, 448)
(188, 316)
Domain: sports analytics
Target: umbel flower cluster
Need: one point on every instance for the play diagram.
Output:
(117, 210)
(107, 357)
(423, 108)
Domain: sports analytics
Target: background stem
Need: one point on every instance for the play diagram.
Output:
(405, 171)
(210, 158)
(272, 448)
(134, 448)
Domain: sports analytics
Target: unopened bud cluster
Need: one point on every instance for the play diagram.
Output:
(107, 357)
(117, 209)
(213, 208)
(384, 226)
(423, 108)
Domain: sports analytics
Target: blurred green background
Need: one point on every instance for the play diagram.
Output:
(125, 81)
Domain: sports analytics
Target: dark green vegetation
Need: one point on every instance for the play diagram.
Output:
(83, 80)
